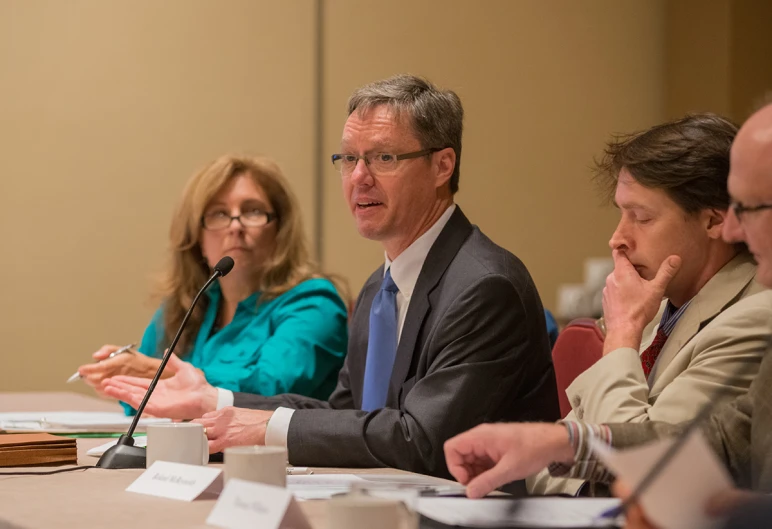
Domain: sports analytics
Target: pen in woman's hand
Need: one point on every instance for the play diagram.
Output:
(124, 349)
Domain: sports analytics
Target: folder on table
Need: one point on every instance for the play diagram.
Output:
(18, 450)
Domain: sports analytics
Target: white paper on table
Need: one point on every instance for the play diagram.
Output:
(325, 486)
(678, 497)
(140, 441)
(70, 421)
(416, 480)
(322, 480)
(320, 486)
(524, 512)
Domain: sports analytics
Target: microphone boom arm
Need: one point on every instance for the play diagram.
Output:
(124, 454)
(165, 359)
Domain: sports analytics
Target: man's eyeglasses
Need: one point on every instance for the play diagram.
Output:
(254, 218)
(377, 163)
(741, 209)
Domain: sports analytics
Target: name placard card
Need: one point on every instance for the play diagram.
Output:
(178, 482)
(246, 505)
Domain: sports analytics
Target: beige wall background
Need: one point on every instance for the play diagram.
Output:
(543, 83)
(718, 56)
(106, 108)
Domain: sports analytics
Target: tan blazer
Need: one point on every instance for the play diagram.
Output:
(714, 338)
(740, 432)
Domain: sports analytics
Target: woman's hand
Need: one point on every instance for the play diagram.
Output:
(130, 363)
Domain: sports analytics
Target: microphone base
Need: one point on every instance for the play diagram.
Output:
(123, 455)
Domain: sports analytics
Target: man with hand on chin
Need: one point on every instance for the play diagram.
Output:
(738, 431)
(663, 359)
(447, 334)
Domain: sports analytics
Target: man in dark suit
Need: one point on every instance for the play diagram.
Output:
(447, 334)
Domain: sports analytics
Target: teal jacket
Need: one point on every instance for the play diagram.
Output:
(294, 343)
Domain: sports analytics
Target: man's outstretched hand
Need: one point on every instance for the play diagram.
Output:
(186, 395)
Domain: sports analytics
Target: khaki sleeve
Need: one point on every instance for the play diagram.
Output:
(720, 362)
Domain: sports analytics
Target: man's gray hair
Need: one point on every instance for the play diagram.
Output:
(436, 116)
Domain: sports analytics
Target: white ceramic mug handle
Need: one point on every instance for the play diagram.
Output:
(205, 455)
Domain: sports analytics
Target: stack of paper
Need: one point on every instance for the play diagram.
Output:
(525, 512)
(325, 486)
(70, 421)
(18, 450)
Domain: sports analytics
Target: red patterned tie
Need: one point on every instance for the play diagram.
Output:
(651, 353)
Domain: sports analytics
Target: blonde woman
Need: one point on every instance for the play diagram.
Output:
(274, 324)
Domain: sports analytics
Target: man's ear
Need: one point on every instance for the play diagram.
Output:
(714, 222)
(445, 161)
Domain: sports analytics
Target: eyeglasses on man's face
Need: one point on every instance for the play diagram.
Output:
(741, 210)
(377, 163)
(221, 219)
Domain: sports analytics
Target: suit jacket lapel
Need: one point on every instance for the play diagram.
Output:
(437, 261)
(721, 290)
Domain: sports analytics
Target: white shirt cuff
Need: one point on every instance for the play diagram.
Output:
(224, 398)
(278, 427)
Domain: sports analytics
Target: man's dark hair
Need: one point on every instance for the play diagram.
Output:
(687, 158)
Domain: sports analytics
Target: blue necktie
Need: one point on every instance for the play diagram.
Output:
(381, 345)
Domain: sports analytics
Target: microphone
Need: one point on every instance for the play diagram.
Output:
(124, 454)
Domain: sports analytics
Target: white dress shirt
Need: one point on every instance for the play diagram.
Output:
(404, 271)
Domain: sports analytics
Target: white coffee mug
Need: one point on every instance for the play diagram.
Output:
(178, 442)
(572, 302)
(261, 464)
(596, 270)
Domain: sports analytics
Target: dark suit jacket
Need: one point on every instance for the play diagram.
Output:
(473, 349)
